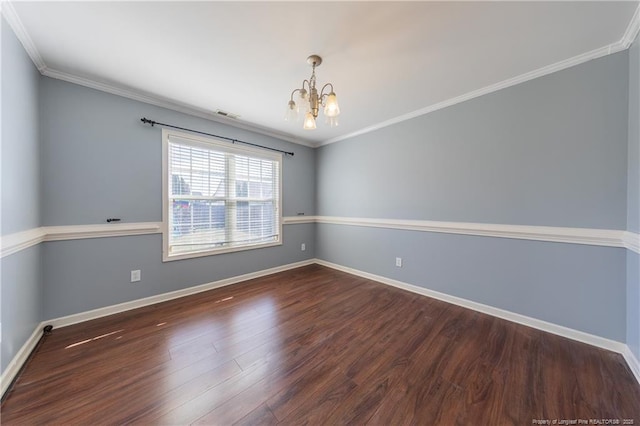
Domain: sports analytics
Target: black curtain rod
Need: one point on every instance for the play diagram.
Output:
(153, 123)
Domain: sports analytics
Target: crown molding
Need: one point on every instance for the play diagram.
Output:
(632, 30)
(13, 19)
(522, 78)
(624, 43)
(9, 13)
(169, 104)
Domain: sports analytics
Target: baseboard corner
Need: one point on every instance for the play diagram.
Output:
(20, 358)
(632, 362)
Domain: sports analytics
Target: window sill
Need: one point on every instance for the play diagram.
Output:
(185, 256)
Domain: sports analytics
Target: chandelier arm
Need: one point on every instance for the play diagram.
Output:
(292, 93)
(322, 94)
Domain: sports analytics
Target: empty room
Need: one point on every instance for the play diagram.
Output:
(320, 213)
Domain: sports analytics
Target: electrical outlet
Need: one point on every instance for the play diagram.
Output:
(399, 262)
(303, 247)
(135, 276)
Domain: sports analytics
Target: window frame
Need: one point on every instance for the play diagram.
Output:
(211, 143)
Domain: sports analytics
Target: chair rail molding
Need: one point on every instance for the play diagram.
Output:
(588, 236)
(13, 243)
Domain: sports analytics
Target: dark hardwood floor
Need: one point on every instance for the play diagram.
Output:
(315, 346)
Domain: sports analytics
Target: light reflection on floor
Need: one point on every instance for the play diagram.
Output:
(82, 342)
(243, 325)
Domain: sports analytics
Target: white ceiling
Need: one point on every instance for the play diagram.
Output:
(387, 61)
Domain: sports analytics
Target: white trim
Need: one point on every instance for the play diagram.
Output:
(632, 362)
(13, 243)
(559, 330)
(148, 98)
(631, 241)
(10, 14)
(23, 354)
(9, 373)
(540, 72)
(597, 237)
(76, 232)
(230, 151)
(173, 105)
(632, 30)
(152, 300)
(294, 220)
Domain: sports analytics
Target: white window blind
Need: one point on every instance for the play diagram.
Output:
(218, 197)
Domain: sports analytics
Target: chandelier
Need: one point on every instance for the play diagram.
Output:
(309, 101)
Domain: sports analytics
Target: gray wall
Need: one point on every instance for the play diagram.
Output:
(555, 282)
(20, 148)
(633, 181)
(633, 207)
(21, 283)
(22, 292)
(86, 274)
(551, 151)
(561, 150)
(99, 161)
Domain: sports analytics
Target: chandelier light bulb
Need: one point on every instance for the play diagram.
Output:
(292, 112)
(331, 108)
(331, 121)
(309, 122)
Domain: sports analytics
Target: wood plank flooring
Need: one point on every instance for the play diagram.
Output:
(315, 346)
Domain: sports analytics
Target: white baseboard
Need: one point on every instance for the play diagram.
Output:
(19, 359)
(23, 354)
(559, 330)
(632, 362)
(152, 300)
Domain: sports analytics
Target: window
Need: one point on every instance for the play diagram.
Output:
(217, 197)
